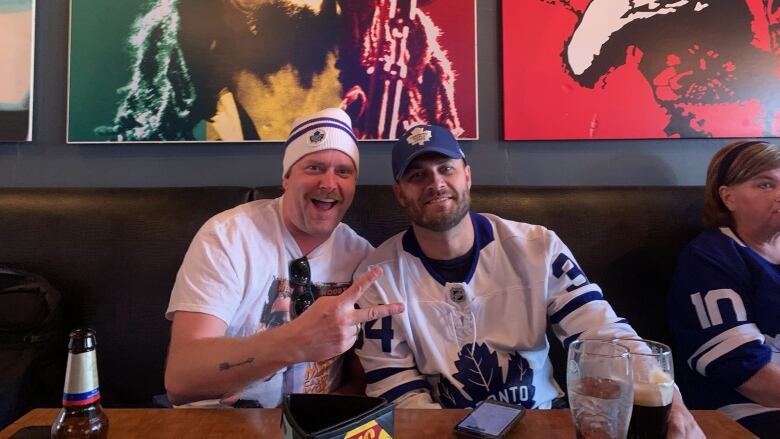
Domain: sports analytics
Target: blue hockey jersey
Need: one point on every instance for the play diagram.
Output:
(724, 311)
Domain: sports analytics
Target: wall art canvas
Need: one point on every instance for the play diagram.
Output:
(613, 69)
(243, 70)
(17, 32)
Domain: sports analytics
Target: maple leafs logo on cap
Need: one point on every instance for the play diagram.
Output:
(316, 137)
(419, 136)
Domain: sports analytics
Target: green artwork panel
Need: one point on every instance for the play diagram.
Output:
(216, 70)
(99, 63)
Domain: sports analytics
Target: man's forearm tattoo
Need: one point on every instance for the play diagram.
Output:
(226, 365)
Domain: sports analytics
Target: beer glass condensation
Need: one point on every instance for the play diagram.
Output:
(600, 386)
(653, 388)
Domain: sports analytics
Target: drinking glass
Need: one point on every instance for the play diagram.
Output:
(600, 386)
(653, 388)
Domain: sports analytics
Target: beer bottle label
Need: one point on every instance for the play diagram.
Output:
(81, 380)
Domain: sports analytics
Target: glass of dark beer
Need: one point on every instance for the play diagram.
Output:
(653, 388)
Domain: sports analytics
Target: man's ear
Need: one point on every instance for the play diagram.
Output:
(467, 170)
(397, 192)
(726, 196)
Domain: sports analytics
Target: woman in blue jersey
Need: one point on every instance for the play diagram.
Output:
(724, 305)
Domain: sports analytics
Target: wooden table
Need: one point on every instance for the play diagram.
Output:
(265, 423)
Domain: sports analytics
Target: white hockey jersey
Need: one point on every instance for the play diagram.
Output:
(460, 343)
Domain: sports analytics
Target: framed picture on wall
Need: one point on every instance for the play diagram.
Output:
(243, 70)
(609, 69)
(17, 32)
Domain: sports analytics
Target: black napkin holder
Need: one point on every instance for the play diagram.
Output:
(317, 416)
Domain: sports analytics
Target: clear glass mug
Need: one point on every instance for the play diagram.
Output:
(653, 387)
(599, 381)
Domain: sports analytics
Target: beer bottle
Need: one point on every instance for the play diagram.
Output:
(82, 415)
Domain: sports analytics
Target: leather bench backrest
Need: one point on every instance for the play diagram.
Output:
(114, 254)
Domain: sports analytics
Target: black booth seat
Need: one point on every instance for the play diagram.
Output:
(114, 253)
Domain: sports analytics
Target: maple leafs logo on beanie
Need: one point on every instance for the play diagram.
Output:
(419, 136)
(316, 137)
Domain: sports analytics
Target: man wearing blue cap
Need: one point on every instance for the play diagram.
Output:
(479, 291)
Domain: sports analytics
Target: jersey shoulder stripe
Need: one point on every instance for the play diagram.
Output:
(575, 304)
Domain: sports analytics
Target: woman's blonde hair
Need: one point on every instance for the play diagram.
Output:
(735, 163)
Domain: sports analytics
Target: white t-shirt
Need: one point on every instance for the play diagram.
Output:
(236, 269)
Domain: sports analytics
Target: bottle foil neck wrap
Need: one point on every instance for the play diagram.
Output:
(81, 380)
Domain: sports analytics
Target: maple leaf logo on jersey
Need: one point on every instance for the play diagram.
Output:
(419, 136)
(481, 377)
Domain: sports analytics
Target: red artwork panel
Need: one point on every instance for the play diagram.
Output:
(612, 69)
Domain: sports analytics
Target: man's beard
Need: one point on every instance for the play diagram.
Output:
(440, 221)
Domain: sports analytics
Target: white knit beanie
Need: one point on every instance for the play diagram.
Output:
(330, 128)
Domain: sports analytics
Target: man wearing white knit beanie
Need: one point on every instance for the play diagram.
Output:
(263, 303)
(319, 171)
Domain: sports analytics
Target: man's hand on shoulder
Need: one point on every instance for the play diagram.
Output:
(330, 326)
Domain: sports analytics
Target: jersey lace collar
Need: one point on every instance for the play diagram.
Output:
(483, 235)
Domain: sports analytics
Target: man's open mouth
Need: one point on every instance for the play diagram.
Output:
(324, 203)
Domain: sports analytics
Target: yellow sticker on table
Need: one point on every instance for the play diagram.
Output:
(369, 430)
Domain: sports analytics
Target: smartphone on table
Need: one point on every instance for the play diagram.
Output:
(490, 420)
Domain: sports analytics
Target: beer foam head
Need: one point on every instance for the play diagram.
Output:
(653, 394)
(658, 376)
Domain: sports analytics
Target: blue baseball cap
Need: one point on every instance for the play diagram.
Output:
(423, 139)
